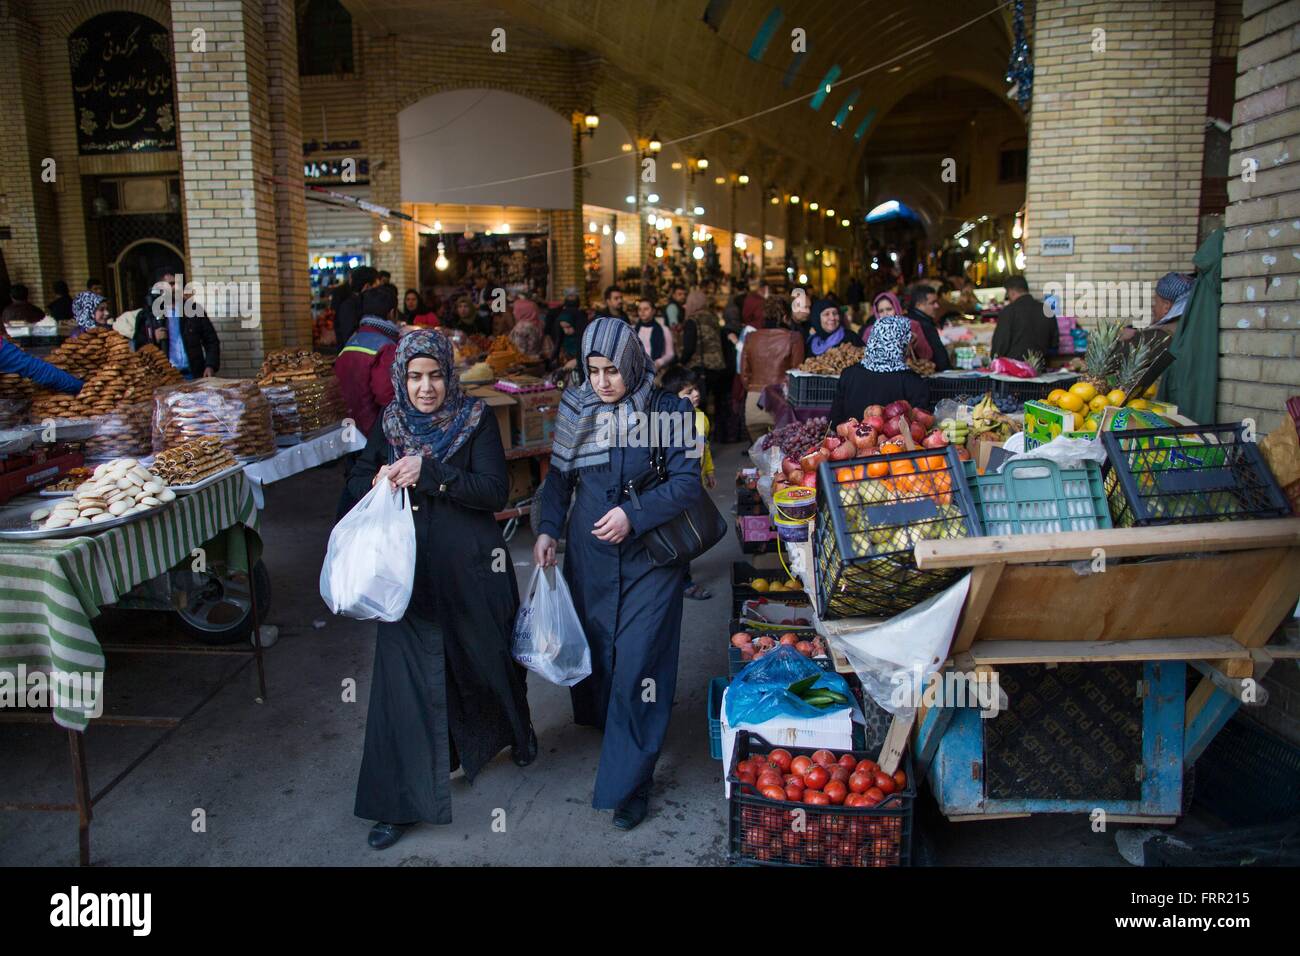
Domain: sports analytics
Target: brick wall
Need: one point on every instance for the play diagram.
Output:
(1116, 139)
(1261, 265)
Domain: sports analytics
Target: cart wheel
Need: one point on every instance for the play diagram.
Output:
(217, 609)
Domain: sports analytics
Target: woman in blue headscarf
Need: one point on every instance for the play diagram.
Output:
(91, 311)
(630, 610)
(883, 375)
(445, 691)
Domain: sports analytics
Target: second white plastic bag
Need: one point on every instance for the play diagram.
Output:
(369, 567)
(548, 637)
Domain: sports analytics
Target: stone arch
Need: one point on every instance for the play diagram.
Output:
(79, 13)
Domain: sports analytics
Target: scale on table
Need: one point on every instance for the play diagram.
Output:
(28, 463)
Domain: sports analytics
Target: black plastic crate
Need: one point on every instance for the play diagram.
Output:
(735, 664)
(811, 391)
(1249, 776)
(970, 386)
(1026, 390)
(767, 832)
(743, 573)
(1188, 474)
(868, 524)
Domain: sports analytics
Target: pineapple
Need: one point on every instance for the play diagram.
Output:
(1103, 356)
(1133, 363)
(1035, 361)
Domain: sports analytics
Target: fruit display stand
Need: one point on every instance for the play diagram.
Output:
(1099, 718)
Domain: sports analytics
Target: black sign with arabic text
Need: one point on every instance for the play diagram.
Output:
(122, 84)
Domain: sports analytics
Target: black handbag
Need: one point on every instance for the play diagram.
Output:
(684, 537)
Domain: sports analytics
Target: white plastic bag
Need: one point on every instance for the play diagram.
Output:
(369, 567)
(548, 637)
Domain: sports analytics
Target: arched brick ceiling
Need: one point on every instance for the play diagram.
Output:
(665, 46)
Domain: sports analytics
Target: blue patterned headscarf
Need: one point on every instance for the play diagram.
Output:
(887, 346)
(83, 309)
(438, 434)
(577, 442)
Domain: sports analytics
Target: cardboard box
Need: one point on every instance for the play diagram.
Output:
(501, 405)
(1044, 422)
(533, 416)
(522, 484)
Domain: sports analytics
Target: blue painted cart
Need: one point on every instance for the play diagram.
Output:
(1075, 613)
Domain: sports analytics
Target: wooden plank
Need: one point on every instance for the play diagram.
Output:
(891, 752)
(983, 585)
(1116, 542)
(1196, 701)
(972, 817)
(1235, 685)
(1061, 652)
(1272, 602)
(1174, 597)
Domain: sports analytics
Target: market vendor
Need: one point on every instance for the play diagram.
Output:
(828, 329)
(91, 311)
(14, 361)
(445, 691)
(1024, 326)
(631, 610)
(886, 304)
(883, 376)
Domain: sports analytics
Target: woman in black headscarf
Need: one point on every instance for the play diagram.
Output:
(883, 375)
(631, 611)
(827, 329)
(445, 691)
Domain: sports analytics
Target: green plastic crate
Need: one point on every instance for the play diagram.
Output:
(1037, 496)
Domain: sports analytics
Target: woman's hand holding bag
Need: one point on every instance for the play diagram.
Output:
(369, 567)
(548, 637)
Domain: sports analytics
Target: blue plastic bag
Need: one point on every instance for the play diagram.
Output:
(759, 692)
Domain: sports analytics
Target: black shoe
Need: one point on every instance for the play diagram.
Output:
(633, 810)
(523, 758)
(384, 835)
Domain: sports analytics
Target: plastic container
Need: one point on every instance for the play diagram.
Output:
(797, 503)
(952, 386)
(717, 686)
(1249, 776)
(791, 531)
(867, 527)
(1037, 496)
(1028, 389)
(766, 832)
(806, 390)
(1188, 474)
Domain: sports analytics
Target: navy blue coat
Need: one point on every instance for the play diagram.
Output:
(630, 610)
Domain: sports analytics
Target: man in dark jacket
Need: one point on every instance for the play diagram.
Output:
(61, 305)
(924, 309)
(182, 329)
(1023, 325)
(20, 310)
(348, 314)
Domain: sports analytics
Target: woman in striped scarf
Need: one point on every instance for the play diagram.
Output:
(631, 611)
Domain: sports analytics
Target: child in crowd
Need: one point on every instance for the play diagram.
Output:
(681, 381)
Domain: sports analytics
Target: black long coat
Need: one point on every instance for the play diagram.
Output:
(465, 582)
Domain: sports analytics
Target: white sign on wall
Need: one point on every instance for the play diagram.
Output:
(1057, 246)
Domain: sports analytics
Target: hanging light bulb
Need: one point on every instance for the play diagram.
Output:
(605, 230)
(652, 219)
(697, 253)
(384, 234)
(659, 252)
(813, 206)
(1002, 263)
(743, 179)
(830, 213)
(437, 225)
(1020, 260)
(619, 238)
(441, 263)
(803, 278)
(630, 200)
(1016, 231)
(963, 242)
(844, 223)
(699, 210)
(653, 197)
(776, 200)
(767, 244)
(591, 227)
(794, 200)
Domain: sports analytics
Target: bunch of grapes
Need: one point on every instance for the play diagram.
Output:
(798, 438)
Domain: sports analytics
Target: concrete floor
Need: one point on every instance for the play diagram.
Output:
(275, 780)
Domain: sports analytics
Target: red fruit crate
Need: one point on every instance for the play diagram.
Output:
(763, 832)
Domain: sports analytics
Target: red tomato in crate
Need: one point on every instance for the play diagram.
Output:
(816, 798)
(773, 792)
(840, 773)
(816, 778)
(900, 779)
(860, 782)
(781, 758)
(824, 758)
(836, 791)
(868, 766)
(885, 783)
(800, 765)
(848, 762)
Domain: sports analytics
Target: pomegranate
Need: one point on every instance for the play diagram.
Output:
(874, 411)
(934, 440)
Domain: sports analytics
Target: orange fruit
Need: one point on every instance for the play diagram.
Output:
(877, 469)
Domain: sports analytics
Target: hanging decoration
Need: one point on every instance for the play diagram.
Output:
(1020, 70)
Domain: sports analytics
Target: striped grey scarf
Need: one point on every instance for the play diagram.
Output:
(579, 442)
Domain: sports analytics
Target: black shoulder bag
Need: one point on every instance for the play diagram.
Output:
(684, 537)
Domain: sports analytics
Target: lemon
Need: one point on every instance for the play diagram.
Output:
(1141, 404)
(792, 585)
(1073, 401)
(1090, 425)
(1054, 396)
(1084, 390)
(1115, 397)
(760, 584)
(1099, 402)
(1150, 392)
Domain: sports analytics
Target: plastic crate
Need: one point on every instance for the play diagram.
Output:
(810, 391)
(955, 386)
(754, 547)
(767, 832)
(735, 664)
(867, 528)
(742, 573)
(1037, 496)
(716, 688)
(1249, 776)
(1024, 390)
(1188, 474)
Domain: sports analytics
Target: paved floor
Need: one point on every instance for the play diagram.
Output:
(274, 781)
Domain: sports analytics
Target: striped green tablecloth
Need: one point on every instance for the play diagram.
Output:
(49, 590)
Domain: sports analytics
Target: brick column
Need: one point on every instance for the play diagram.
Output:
(227, 151)
(1259, 370)
(567, 227)
(380, 66)
(27, 204)
(1116, 138)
